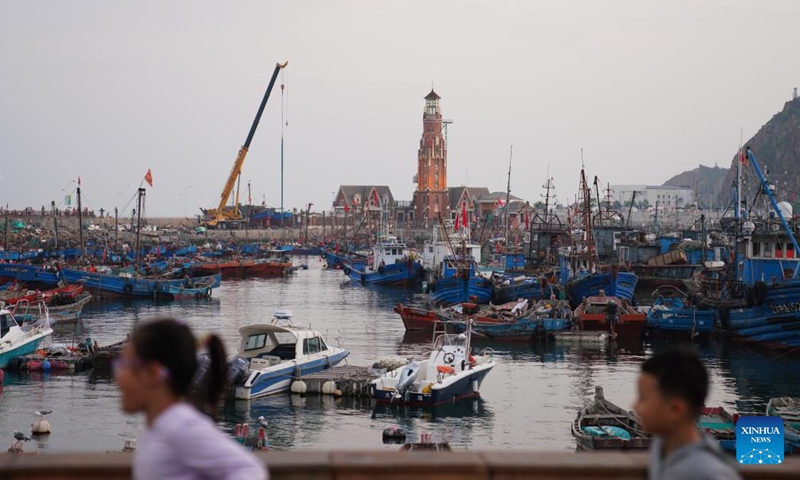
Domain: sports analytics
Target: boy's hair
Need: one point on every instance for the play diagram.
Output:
(681, 374)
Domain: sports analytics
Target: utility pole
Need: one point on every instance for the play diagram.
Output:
(55, 220)
(138, 221)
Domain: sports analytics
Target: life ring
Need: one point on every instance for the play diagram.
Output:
(347, 270)
(128, 289)
(208, 292)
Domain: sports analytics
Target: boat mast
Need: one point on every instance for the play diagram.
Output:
(587, 218)
(80, 221)
(138, 221)
(508, 196)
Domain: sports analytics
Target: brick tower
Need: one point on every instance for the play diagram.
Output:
(431, 195)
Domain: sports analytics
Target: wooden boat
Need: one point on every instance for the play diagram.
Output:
(788, 408)
(601, 425)
(59, 312)
(717, 422)
(103, 356)
(537, 322)
(275, 265)
(416, 319)
(592, 315)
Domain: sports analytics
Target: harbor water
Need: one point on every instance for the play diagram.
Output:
(528, 401)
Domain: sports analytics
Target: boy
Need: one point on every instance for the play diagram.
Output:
(672, 390)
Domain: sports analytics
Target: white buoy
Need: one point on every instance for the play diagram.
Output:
(41, 427)
(329, 387)
(299, 387)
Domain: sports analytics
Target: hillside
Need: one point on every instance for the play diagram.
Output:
(776, 146)
(706, 181)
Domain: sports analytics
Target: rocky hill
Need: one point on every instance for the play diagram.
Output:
(776, 146)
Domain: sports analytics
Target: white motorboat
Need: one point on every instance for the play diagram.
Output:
(273, 354)
(450, 373)
(20, 339)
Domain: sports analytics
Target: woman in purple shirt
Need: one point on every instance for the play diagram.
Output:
(154, 374)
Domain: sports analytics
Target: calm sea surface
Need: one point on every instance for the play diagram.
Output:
(528, 400)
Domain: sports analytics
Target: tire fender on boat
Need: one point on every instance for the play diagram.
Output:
(128, 289)
(363, 278)
(208, 292)
(347, 270)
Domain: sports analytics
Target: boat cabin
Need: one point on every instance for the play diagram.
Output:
(7, 321)
(269, 344)
(769, 255)
(435, 250)
(388, 252)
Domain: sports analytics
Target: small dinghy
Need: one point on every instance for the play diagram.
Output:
(602, 425)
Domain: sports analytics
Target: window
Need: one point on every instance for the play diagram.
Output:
(255, 342)
(311, 346)
(322, 346)
(756, 249)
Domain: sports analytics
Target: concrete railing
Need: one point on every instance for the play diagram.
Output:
(419, 465)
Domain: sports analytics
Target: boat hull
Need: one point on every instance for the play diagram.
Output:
(459, 290)
(466, 386)
(521, 330)
(393, 274)
(774, 323)
(25, 348)
(165, 289)
(416, 319)
(622, 286)
(279, 379)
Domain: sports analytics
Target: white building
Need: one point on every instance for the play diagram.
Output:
(667, 197)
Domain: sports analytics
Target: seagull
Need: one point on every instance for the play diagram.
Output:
(42, 413)
(263, 422)
(19, 436)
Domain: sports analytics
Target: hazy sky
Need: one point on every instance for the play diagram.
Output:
(105, 90)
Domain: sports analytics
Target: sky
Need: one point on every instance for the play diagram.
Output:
(105, 91)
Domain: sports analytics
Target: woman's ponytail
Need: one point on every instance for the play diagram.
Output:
(218, 372)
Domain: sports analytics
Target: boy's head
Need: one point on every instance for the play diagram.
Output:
(672, 391)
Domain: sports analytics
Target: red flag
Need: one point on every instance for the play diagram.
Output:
(375, 196)
(464, 219)
(743, 158)
(527, 221)
(148, 177)
(458, 222)
(346, 208)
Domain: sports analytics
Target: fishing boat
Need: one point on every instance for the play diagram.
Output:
(59, 311)
(761, 305)
(271, 355)
(276, 264)
(458, 282)
(389, 264)
(673, 312)
(540, 321)
(17, 339)
(594, 313)
(415, 319)
(788, 408)
(717, 422)
(601, 425)
(508, 288)
(145, 287)
(449, 374)
(463, 312)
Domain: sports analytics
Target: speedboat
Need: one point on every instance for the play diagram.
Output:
(271, 355)
(450, 373)
(17, 340)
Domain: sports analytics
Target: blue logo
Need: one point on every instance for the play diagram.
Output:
(759, 440)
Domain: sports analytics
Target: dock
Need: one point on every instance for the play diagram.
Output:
(347, 380)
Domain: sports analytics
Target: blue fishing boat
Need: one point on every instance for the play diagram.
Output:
(389, 264)
(508, 288)
(673, 312)
(29, 273)
(761, 306)
(458, 282)
(614, 283)
(540, 321)
(144, 287)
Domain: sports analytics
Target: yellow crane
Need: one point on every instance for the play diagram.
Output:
(214, 216)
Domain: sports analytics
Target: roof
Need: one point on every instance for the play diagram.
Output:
(432, 96)
(456, 193)
(349, 191)
(494, 196)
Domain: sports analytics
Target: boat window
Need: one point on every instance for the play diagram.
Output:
(789, 250)
(767, 250)
(778, 250)
(388, 251)
(5, 324)
(311, 345)
(255, 342)
(322, 346)
(284, 338)
(756, 249)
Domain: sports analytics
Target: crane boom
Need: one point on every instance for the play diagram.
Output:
(216, 215)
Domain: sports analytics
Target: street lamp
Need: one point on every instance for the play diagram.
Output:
(184, 200)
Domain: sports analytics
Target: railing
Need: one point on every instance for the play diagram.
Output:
(377, 465)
